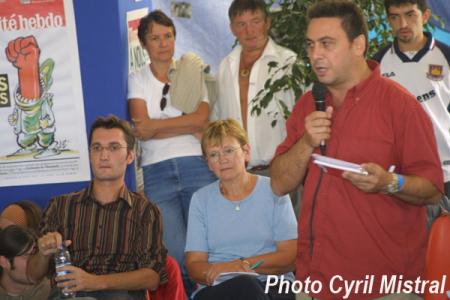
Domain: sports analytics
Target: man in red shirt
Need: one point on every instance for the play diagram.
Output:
(357, 227)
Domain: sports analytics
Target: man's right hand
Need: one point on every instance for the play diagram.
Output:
(49, 243)
(318, 127)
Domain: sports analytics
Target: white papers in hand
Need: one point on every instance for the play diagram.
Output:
(334, 163)
(228, 275)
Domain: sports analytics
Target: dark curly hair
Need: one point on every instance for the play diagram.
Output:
(15, 241)
(111, 122)
(352, 18)
(421, 4)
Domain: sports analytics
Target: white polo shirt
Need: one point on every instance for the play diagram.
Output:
(425, 74)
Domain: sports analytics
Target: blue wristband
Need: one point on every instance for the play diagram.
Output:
(401, 182)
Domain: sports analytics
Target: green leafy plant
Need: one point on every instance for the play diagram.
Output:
(289, 23)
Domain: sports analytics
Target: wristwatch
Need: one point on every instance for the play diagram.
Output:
(396, 184)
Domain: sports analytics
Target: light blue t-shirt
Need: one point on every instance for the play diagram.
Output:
(216, 227)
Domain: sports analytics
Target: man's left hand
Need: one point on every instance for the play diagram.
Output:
(376, 181)
(76, 280)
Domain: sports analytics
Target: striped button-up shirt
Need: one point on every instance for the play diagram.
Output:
(121, 236)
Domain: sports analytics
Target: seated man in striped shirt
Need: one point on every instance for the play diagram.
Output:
(113, 234)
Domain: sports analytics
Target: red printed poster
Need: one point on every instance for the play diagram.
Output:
(137, 56)
(42, 120)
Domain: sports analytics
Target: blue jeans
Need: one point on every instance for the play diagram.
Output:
(170, 185)
(55, 294)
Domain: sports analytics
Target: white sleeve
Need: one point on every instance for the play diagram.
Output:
(135, 86)
(205, 96)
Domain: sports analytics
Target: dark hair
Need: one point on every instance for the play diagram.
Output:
(352, 18)
(111, 122)
(15, 241)
(238, 7)
(421, 4)
(158, 17)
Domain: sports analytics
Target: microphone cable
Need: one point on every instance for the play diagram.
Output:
(313, 207)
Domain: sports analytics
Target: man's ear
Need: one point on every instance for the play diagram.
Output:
(130, 156)
(268, 22)
(359, 45)
(232, 29)
(4, 263)
(426, 15)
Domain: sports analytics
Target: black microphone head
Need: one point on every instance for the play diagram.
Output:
(319, 92)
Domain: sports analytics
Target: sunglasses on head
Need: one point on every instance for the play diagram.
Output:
(163, 102)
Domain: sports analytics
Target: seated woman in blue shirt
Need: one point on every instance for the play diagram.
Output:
(237, 222)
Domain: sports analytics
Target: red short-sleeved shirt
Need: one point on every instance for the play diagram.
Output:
(356, 233)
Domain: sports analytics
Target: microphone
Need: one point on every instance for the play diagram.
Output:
(319, 92)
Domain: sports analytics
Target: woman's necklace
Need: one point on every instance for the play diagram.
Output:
(237, 203)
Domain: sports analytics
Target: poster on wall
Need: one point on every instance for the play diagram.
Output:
(42, 120)
(137, 56)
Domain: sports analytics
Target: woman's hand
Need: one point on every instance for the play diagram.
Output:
(236, 265)
(144, 129)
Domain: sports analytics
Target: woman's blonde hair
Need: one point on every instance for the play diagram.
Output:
(218, 130)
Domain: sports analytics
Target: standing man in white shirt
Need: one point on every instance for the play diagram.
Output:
(243, 73)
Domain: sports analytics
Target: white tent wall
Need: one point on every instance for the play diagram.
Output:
(206, 32)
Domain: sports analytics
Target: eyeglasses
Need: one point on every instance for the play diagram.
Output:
(227, 153)
(111, 148)
(163, 102)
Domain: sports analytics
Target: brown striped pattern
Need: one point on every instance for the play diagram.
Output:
(118, 237)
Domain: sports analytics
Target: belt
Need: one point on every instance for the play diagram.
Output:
(259, 168)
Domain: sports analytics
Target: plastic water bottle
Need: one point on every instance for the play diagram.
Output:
(62, 258)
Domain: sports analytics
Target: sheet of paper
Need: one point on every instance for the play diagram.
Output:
(338, 164)
(228, 275)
